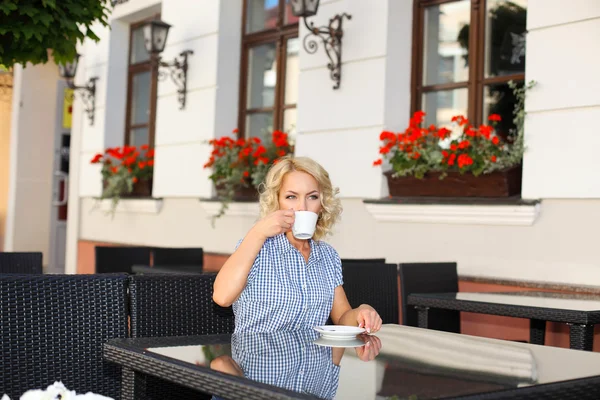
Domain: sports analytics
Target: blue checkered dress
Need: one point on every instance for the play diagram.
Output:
(286, 293)
(288, 360)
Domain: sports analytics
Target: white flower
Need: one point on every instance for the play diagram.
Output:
(53, 392)
(456, 132)
(57, 391)
(445, 143)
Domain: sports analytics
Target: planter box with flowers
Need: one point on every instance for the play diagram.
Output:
(126, 172)
(465, 161)
(240, 166)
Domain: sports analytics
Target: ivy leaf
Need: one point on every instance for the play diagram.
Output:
(49, 3)
(6, 7)
(92, 35)
(28, 9)
(45, 19)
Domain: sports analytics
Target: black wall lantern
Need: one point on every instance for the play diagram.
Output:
(68, 71)
(155, 38)
(330, 35)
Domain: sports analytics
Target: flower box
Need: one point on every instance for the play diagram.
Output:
(460, 159)
(142, 188)
(503, 183)
(240, 193)
(246, 194)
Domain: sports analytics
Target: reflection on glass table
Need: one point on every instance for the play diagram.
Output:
(299, 361)
(289, 360)
(405, 363)
(293, 360)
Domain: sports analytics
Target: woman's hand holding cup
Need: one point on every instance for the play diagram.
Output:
(280, 221)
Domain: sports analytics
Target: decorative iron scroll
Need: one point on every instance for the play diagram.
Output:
(177, 70)
(88, 96)
(331, 36)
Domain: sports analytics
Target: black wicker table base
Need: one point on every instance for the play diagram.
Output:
(581, 322)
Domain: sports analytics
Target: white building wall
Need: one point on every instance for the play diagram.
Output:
(340, 128)
(564, 106)
(31, 159)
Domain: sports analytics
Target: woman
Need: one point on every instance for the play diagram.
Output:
(278, 282)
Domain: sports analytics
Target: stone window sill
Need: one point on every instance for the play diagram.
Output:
(143, 205)
(459, 211)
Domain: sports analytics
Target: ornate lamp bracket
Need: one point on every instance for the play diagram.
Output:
(331, 36)
(88, 96)
(177, 70)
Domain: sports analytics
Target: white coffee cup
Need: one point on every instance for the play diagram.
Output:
(304, 224)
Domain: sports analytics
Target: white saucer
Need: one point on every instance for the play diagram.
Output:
(339, 332)
(354, 342)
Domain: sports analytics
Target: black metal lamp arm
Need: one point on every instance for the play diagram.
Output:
(88, 96)
(177, 70)
(331, 36)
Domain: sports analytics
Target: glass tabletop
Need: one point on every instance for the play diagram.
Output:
(398, 362)
(559, 301)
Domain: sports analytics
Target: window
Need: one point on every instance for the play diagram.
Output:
(464, 53)
(141, 91)
(269, 74)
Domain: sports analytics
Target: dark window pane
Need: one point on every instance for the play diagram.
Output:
(140, 98)
(506, 24)
(262, 76)
(261, 15)
(259, 125)
(138, 49)
(289, 18)
(442, 105)
(499, 99)
(445, 45)
(292, 69)
(138, 137)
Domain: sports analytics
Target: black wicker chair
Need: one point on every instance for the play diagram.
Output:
(174, 305)
(120, 259)
(178, 256)
(21, 263)
(375, 284)
(429, 278)
(53, 328)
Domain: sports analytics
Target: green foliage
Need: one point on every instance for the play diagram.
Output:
(518, 145)
(463, 148)
(243, 164)
(123, 168)
(29, 28)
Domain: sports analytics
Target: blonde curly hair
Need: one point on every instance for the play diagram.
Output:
(331, 206)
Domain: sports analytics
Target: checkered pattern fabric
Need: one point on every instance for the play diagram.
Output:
(284, 292)
(287, 359)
